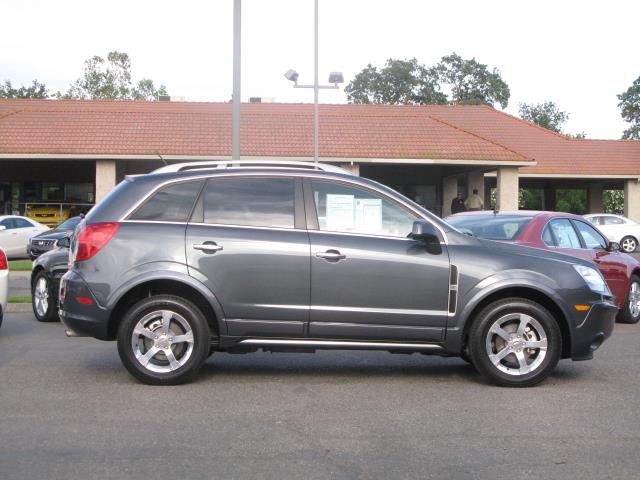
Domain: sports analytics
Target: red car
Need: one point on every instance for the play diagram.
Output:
(565, 233)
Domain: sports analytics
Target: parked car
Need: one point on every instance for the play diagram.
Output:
(296, 256)
(565, 233)
(50, 215)
(15, 233)
(4, 283)
(617, 229)
(46, 240)
(46, 273)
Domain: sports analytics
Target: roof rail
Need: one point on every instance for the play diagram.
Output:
(215, 164)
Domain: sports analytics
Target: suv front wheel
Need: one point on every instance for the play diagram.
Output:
(163, 340)
(515, 342)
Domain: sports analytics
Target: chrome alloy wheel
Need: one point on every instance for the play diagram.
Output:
(629, 245)
(162, 341)
(516, 344)
(634, 299)
(41, 296)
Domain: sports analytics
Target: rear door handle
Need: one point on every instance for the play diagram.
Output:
(331, 255)
(208, 247)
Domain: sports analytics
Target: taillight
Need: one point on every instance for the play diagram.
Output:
(92, 238)
(4, 265)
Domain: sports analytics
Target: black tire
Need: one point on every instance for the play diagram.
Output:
(508, 371)
(43, 299)
(149, 315)
(628, 244)
(626, 315)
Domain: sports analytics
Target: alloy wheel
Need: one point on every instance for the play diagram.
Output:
(516, 344)
(41, 296)
(162, 341)
(634, 300)
(629, 245)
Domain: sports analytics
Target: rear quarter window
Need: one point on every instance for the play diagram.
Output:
(170, 204)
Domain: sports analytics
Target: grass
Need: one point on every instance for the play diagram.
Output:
(20, 299)
(20, 265)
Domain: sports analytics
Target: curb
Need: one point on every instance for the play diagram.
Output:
(18, 308)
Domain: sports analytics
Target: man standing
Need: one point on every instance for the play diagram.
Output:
(474, 202)
(457, 204)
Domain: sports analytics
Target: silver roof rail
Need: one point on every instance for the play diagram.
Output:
(214, 164)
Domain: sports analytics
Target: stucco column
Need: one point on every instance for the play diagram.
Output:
(475, 181)
(449, 192)
(507, 189)
(354, 169)
(105, 178)
(594, 195)
(632, 199)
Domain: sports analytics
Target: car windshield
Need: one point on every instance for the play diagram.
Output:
(491, 227)
(69, 224)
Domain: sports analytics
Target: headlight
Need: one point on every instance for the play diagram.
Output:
(593, 278)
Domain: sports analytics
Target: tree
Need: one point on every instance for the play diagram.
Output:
(36, 90)
(111, 80)
(630, 105)
(546, 115)
(398, 82)
(409, 82)
(472, 83)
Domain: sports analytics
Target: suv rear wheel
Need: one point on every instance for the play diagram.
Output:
(515, 342)
(163, 340)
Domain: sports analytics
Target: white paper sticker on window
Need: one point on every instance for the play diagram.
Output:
(340, 212)
(369, 215)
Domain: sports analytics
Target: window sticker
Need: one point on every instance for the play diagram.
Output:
(340, 212)
(368, 215)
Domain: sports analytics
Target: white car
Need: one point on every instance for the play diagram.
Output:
(15, 233)
(4, 283)
(618, 229)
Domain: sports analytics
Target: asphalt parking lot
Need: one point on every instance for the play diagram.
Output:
(68, 409)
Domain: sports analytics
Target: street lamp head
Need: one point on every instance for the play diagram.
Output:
(336, 78)
(291, 75)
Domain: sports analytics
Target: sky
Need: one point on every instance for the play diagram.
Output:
(578, 54)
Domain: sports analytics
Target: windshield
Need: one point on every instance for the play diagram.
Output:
(491, 227)
(69, 224)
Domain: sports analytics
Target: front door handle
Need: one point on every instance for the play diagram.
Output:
(331, 255)
(208, 247)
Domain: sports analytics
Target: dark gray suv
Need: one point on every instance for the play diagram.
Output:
(207, 257)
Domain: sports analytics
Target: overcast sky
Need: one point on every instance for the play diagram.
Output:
(579, 54)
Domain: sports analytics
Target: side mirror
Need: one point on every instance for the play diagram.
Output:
(613, 247)
(63, 242)
(425, 232)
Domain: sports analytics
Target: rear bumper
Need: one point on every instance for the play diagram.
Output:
(85, 319)
(593, 331)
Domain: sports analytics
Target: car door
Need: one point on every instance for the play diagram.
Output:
(368, 280)
(16, 235)
(248, 244)
(611, 264)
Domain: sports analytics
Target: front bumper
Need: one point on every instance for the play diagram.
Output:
(84, 319)
(596, 327)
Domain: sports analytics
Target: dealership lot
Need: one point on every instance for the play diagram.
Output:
(68, 409)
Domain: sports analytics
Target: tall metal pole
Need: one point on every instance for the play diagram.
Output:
(235, 134)
(316, 116)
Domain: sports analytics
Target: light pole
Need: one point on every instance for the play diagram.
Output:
(235, 121)
(335, 78)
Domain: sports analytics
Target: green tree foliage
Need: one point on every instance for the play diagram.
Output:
(613, 201)
(545, 114)
(630, 105)
(411, 83)
(571, 200)
(111, 80)
(36, 90)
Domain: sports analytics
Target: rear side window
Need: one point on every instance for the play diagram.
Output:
(492, 227)
(171, 204)
(612, 221)
(564, 234)
(22, 223)
(258, 202)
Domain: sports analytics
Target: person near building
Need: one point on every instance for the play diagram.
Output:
(457, 204)
(474, 202)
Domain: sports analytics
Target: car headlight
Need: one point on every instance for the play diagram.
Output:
(593, 278)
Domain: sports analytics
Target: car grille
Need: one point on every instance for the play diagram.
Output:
(43, 243)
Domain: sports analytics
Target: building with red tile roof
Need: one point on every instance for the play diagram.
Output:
(58, 150)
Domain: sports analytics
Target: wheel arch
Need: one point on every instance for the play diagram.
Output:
(209, 306)
(529, 293)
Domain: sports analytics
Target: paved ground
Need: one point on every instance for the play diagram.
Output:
(68, 409)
